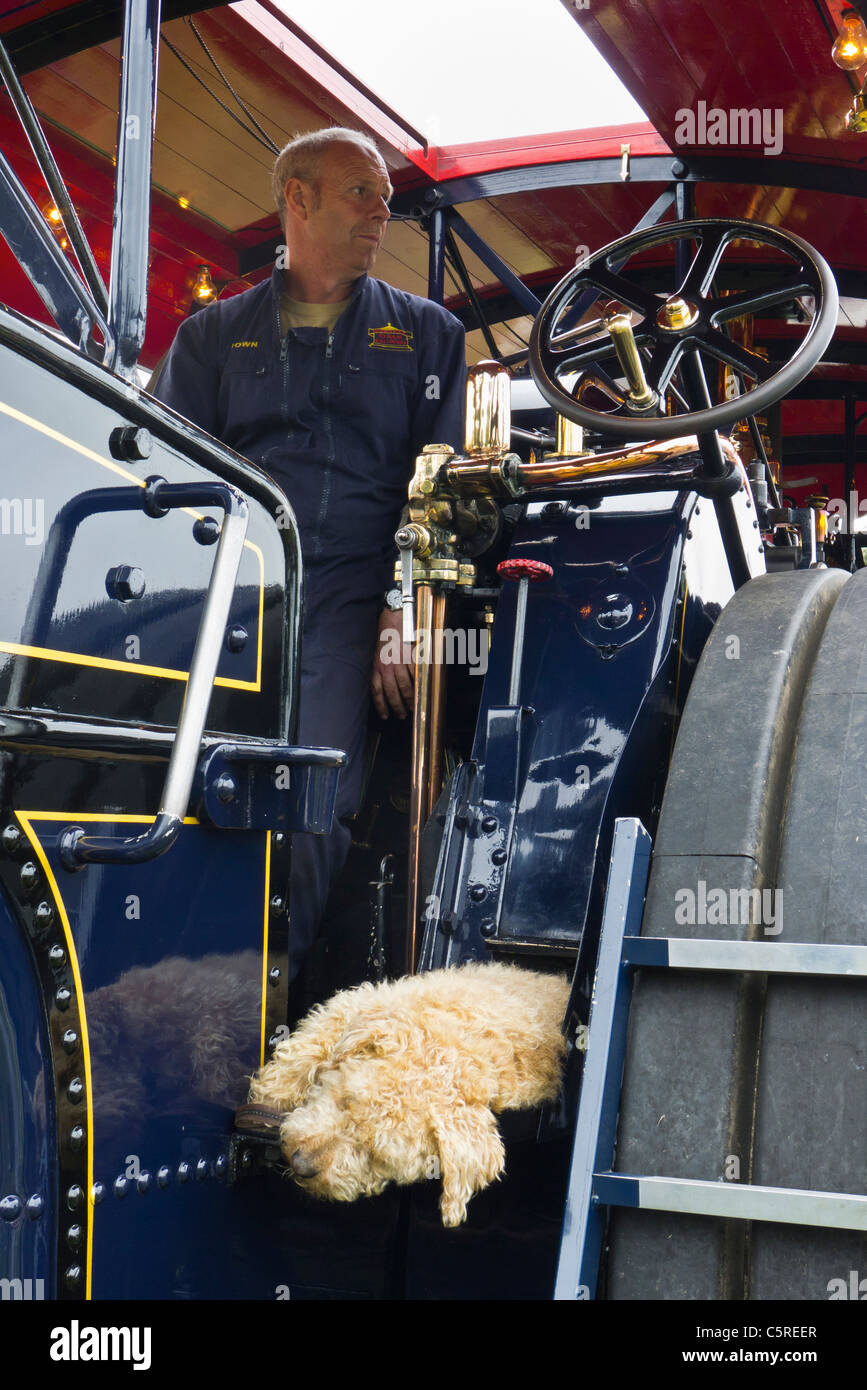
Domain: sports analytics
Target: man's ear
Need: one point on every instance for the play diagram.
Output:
(299, 199)
(471, 1156)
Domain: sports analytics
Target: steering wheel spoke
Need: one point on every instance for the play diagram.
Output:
(720, 346)
(712, 245)
(724, 307)
(616, 286)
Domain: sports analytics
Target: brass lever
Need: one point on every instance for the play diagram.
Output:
(641, 396)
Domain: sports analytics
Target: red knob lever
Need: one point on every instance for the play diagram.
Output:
(534, 570)
(526, 572)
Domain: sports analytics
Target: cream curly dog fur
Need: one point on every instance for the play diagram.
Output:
(400, 1081)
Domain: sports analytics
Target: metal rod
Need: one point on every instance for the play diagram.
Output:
(128, 284)
(436, 266)
(65, 296)
(518, 645)
(470, 292)
(420, 772)
(53, 178)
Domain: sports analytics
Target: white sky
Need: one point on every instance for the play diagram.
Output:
(465, 70)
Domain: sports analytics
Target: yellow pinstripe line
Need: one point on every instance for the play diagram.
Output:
(49, 653)
(265, 945)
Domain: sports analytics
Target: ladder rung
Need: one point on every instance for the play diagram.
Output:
(740, 1201)
(768, 957)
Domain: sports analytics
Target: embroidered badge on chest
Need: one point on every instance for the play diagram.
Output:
(390, 338)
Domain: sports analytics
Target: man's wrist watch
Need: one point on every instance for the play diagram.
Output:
(394, 600)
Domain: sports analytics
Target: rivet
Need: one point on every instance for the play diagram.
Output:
(120, 1186)
(279, 839)
(75, 1090)
(689, 535)
(221, 1165)
(143, 1181)
(57, 955)
(183, 1172)
(69, 1041)
(276, 904)
(74, 1196)
(164, 1176)
(29, 875)
(74, 1236)
(10, 1208)
(97, 1193)
(72, 1276)
(246, 1158)
(206, 530)
(274, 975)
(11, 838)
(499, 856)
(76, 1136)
(621, 569)
(273, 1041)
(43, 914)
(489, 824)
(488, 927)
(203, 1169)
(62, 998)
(34, 1206)
(478, 892)
(236, 638)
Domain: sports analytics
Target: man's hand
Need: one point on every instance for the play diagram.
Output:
(391, 683)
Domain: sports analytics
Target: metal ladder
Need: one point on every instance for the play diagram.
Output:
(593, 1187)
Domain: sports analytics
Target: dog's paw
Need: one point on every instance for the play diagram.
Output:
(472, 1156)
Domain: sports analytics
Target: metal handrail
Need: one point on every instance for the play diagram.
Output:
(76, 847)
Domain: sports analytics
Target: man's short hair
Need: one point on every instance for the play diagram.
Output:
(300, 159)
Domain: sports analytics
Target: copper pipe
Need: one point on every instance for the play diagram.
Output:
(473, 475)
(437, 704)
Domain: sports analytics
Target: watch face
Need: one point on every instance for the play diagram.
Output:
(393, 599)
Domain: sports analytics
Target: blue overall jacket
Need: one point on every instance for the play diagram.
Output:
(335, 418)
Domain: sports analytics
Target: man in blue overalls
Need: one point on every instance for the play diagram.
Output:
(333, 382)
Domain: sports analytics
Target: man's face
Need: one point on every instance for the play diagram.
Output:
(347, 212)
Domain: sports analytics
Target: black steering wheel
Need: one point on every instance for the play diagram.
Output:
(673, 332)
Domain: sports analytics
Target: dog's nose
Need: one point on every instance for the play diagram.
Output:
(301, 1166)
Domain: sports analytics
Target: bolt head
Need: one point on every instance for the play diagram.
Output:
(226, 788)
(236, 638)
(488, 927)
(478, 892)
(57, 956)
(75, 1090)
(62, 998)
(130, 443)
(125, 582)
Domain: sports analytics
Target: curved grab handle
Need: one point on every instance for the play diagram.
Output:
(76, 847)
